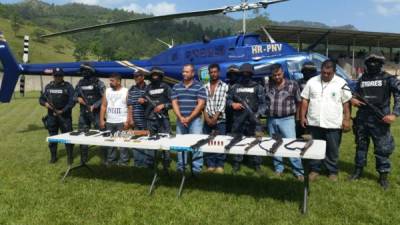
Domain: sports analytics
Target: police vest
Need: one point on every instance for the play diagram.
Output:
(117, 108)
(159, 95)
(249, 94)
(375, 89)
(90, 89)
(57, 94)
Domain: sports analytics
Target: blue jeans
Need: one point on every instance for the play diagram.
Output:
(333, 138)
(140, 157)
(111, 151)
(215, 160)
(195, 127)
(286, 127)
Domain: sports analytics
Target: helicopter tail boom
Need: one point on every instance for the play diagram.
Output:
(12, 70)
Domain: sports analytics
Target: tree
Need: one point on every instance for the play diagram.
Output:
(80, 52)
(37, 35)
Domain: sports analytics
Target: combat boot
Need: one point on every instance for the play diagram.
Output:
(383, 181)
(70, 155)
(357, 174)
(53, 156)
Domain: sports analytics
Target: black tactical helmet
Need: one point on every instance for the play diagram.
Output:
(157, 70)
(87, 69)
(58, 72)
(375, 57)
(247, 68)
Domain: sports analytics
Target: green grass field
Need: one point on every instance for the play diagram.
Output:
(31, 191)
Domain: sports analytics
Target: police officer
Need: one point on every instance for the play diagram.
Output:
(232, 75)
(308, 70)
(58, 98)
(157, 101)
(374, 117)
(88, 93)
(253, 94)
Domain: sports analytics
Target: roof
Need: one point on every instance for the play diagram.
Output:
(310, 35)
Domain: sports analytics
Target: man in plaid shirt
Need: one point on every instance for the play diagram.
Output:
(283, 100)
(214, 115)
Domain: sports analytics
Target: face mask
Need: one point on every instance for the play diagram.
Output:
(245, 79)
(308, 75)
(373, 67)
(86, 74)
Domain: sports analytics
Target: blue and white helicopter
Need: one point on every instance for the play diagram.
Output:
(238, 49)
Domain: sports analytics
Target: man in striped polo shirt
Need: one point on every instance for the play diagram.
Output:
(188, 101)
(137, 109)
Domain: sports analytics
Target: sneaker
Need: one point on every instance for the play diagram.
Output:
(300, 178)
(210, 170)
(313, 176)
(219, 170)
(278, 174)
(333, 177)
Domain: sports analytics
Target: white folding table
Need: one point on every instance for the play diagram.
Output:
(184, 143)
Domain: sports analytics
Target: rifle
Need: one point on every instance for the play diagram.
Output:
(205, 140)
(45, 118)
(153, 105)
(88, 107)
(236, 139)
(378, 113)
(275, 146)
(249, 112)
(308, 143)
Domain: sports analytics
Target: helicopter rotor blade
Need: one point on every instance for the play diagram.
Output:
(139, 20)
(229, 9)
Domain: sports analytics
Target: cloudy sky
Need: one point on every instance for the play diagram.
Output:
(368, 15)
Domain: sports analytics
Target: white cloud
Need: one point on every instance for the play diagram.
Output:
(387, 7)
(161, 8)
(87, 2)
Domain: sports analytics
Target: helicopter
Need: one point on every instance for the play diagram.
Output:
(226, 51)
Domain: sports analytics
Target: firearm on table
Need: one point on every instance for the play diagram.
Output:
(153, 105)
(255, 142)
(236, 139)
(205, 140)
(307, 139)
(278, 142)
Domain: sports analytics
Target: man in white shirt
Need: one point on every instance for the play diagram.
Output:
(325, 111)
(114, 116)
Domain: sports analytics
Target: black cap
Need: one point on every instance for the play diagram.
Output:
(247, 68)
(58, 72)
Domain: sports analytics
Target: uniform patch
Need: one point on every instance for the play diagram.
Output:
(87, 88)
(245, 90)
(156, 91)
(55, 91)
(374, 83)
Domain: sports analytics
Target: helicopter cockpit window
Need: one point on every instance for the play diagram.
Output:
(318, 59)
(294, 68)
(251, 40)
